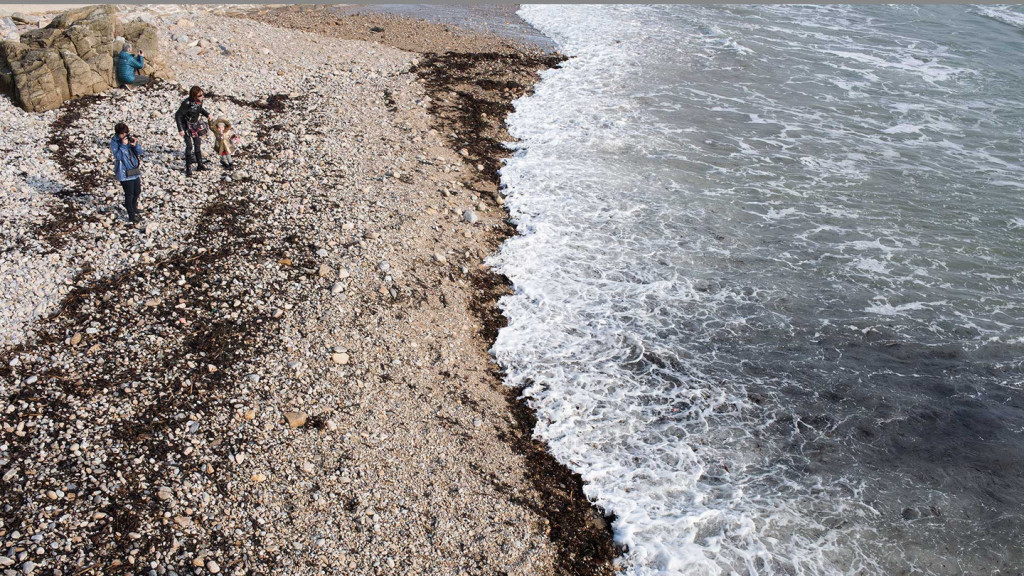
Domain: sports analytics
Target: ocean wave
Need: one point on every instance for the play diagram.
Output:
(1005, 14)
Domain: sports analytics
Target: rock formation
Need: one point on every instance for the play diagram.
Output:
(73, 56)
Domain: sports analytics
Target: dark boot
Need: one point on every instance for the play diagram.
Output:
(188, 168)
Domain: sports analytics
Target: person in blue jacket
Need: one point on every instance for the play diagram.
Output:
(127, 64)
(127, 154)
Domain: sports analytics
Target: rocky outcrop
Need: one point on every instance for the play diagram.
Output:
(73, 56)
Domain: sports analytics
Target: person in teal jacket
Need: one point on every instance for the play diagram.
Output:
(127, 64)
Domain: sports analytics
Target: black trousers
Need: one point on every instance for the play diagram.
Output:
(191, 142)
(132, 190)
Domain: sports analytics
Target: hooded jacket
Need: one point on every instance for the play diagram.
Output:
(224, 143)
(127, 64)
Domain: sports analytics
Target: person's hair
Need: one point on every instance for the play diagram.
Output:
(194, 92)
(127, 47)
(120, 128)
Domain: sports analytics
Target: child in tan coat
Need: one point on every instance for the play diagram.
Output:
(225, 142)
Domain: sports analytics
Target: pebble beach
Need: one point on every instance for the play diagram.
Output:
(284, 368)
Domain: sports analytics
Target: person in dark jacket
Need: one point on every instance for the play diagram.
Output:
(189, 125)
(127, 153)
(127, 64)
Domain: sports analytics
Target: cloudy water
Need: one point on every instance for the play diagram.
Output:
(769, 284)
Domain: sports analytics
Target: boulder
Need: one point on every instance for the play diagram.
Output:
(83, 80)
(24, 19)
(39, 78)
(8, 29)
(73, 56)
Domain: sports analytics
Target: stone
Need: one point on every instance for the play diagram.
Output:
(598, 523)
(470, 217)
(183, 521)
(440, 257)
(83, 80)
(165, 493)
(343, 274)
(8, 29)
(28, 567)
(324, 271)
(339, 358)
(76, 339)
(296, 419)
(213, 567)
(337, 288)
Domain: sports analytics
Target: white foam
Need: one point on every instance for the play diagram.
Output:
(883, 308)
(903, 129)
(1005, 14)
(871, 265)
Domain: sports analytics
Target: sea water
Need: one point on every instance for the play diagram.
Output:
(769, 282)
